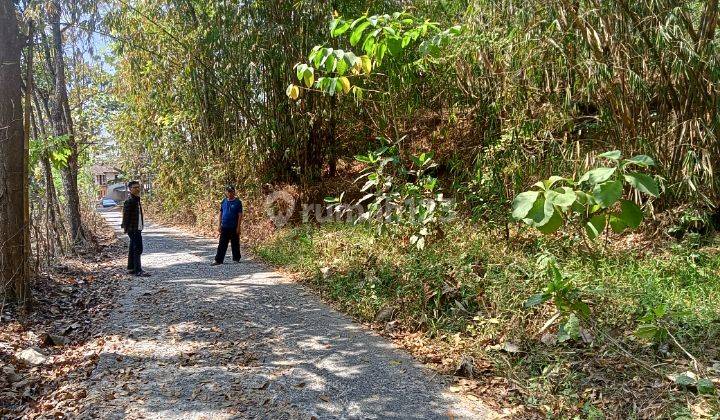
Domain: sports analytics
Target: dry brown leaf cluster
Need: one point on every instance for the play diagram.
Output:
(48, 350)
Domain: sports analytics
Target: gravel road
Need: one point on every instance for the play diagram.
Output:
(241, 341)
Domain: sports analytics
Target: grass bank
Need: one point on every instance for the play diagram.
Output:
(462, 299)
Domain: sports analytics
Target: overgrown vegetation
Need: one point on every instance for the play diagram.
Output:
(504, 94)
(514, 110)
(56, 128)
(471, 291)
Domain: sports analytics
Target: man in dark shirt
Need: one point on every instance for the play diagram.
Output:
(132, 224)
(230, 226)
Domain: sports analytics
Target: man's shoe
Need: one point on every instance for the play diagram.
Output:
(236, 261)
(143, 274)
(214, 263)
(130, 271)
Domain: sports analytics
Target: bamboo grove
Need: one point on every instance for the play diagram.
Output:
(528, 89)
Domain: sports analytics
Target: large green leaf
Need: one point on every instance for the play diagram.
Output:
(641, 160)
(334, 86)
(536, 213)
(394, 45)
(325, 54)
(357, 33)
(607, 193)
(612, 155)
(630, 213)
(351, 59)
(617, 224)
(597, 175)
(341, 67)
(389, 30)
(540, 213)
(319, 55)
(300, 71)
(561, 197)
(646, 331)
(578, 208)
(381, 49)
(309, 76)
(327, 84)
(583, 197)
(548, 183)
(553, 224)
(369, 45)
(329, 62)
(357, 21)
(523, 203)
(321, 83)
(595, 226)
(340, 29)
(581, 307)
(643, 183)
(537, 299)
(313, 53)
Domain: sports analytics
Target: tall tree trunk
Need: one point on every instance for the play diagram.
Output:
(62, 123)
(52, 205)
(26, 147)
(13, 281)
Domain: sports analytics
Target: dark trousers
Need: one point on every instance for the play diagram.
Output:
(134, 251)
(228, 235)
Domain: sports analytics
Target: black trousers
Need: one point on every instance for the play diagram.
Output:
(134, 251)
(228, 235)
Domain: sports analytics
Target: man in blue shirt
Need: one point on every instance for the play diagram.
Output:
(230, 226)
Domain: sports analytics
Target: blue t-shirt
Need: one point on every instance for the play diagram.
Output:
(230, 211)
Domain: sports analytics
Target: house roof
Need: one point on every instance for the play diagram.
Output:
(103, 169)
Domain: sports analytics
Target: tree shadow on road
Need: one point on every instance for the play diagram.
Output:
(267, 346)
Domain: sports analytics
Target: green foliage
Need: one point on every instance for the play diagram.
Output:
(402, 200)
(690, 380)
(693, 222)
(652, 327)
(468, 288)
(564, 296)
(518, 91)
(376, 36)
(55, 147)
(593, 201)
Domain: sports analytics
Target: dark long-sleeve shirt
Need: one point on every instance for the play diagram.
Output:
(132, 214)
